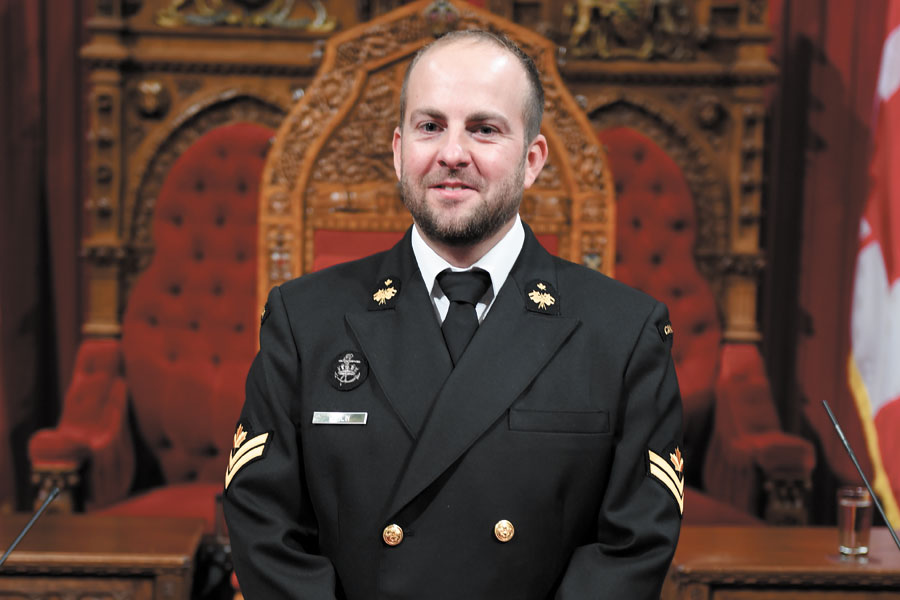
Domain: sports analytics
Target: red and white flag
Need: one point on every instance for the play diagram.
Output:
(874, 366)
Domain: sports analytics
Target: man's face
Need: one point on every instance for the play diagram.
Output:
(460, 155)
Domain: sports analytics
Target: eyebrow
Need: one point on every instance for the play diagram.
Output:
(431, 113)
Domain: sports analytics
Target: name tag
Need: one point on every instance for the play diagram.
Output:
(339, 418)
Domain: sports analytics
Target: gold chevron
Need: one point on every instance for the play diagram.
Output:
(249, 451)
(663, 471)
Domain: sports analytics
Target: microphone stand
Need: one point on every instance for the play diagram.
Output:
(50, 498)
(861, 474)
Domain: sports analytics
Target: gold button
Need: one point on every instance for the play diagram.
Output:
(504, 530)
(392, 534)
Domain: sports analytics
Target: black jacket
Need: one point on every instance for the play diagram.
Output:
(553, 420)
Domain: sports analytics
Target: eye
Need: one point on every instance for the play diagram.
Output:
(430, 127)
(485, 130)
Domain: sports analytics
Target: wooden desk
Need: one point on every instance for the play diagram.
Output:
(779, 563)
(86, 556)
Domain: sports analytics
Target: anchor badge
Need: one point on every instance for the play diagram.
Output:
(347, 371)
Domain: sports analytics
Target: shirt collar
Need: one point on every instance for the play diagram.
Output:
(498, 261)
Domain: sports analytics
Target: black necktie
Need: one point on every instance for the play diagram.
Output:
(464, 289)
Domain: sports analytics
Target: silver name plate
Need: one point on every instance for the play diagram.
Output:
(339, 418)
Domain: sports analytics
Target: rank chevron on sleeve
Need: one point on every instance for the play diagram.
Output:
(249, 451)
(668, 476)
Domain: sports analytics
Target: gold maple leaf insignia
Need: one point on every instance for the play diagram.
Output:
(542, 299)
(677, 460)
(388, 281)
(384, 294)
(239, 436)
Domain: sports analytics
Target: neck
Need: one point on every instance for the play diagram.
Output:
(464, 257)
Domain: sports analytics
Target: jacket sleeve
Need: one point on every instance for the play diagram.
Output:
(640, 514)
(271, 522)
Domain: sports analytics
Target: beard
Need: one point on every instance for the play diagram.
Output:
(484, 220)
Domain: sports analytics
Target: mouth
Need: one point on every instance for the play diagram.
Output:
(452, 186)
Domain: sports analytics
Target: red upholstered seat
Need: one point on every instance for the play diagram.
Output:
(189, 333)
(655, 234)
(93, 426)
(188, 337)
(746, 439)
(656, 231)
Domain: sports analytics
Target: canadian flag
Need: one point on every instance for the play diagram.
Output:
(874, 365)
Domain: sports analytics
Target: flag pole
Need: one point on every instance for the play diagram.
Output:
(861, 474)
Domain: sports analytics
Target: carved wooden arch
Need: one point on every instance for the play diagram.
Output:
(698, 141)
(162, 150)
(697, 161)
(331, 166)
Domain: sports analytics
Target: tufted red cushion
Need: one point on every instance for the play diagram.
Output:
(656, 230)
(98, 368)
(748, 415)
(97, 388)
(189, 333)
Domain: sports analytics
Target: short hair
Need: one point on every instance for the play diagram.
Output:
(534, 104)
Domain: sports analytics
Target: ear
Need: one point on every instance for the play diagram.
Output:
(535, 157)
(396, 147)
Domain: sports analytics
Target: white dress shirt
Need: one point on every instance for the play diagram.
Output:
(498, 262)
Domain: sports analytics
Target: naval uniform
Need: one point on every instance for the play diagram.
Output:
(544, 464)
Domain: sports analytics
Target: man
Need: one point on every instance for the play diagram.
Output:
(382, 453)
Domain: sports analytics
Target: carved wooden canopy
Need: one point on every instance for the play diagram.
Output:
(331, 166)
(689, 74)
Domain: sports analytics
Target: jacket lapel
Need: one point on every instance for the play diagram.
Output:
(509, 349)
(402, 340)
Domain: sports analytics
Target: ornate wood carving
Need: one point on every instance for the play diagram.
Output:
(786, 498)
(217, 112)
(280, 14)
(357, 152)
(331, 164)
(65, 476)
(642, 29)
(141, 200)
(697, 162)
(689, 73)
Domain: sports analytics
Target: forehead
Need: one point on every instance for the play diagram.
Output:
(468, 76)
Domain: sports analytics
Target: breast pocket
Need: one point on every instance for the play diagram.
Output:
(555, 421)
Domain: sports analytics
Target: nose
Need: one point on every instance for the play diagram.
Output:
(454, 154)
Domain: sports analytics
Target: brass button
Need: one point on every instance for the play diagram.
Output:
(504, 530)
(392, 534)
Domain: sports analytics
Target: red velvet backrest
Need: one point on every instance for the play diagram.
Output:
(655, 235)
(189, 331)
(97, 366)
(746, 399)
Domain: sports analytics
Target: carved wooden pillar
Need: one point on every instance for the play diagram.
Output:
(102, 246)
(744, 263)
(742, 273)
